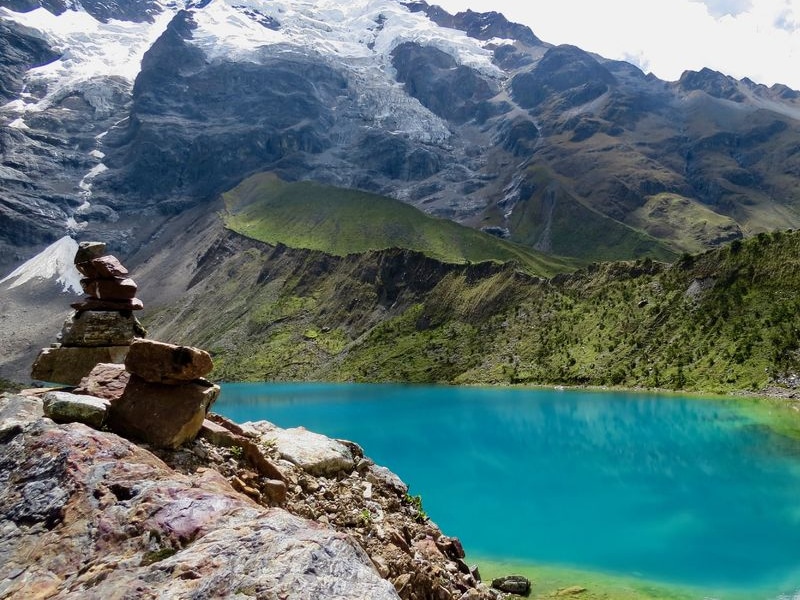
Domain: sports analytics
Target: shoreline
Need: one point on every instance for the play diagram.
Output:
(549, 581)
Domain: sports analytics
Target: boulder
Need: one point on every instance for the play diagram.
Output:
(158, 362)
(165, 416)
(104, 267)
(117, 288)
(64, 407)
(312, 452)
(513, 584)
(68, 365)
(88, 251)
(100, 328)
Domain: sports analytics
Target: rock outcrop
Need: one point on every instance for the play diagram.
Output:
(102, 327)
(87, 513)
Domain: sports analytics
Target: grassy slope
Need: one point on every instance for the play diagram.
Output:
(728, 319)
(725, 320)
(340, 222)
(573, 229)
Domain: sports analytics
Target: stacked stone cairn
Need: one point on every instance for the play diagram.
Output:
(102, 327)
(138, 388)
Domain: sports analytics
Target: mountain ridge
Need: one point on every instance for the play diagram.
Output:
(446, 112)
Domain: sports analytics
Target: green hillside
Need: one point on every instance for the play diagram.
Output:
(340, 222)
(727, 319)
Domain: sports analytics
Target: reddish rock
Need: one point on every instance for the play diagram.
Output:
(109, 289)
(105, 381)
(163, 415)
(159, 362)
(90, 303)
(70, 365)
(104, 267)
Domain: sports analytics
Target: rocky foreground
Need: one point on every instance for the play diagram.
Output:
(251, 511)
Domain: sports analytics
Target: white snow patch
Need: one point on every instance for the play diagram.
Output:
(18, 124)
(89, 49)
(54, 262)
(97, 154)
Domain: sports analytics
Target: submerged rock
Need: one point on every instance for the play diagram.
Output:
(513, 584)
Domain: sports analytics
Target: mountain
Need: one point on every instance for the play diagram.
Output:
(128, 121)
(120, 115)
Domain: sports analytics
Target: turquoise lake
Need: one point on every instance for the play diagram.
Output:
(677, 490)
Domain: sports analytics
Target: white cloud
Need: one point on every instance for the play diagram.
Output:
(742, 38)
(720, 8)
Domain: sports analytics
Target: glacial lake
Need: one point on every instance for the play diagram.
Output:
(683, 491)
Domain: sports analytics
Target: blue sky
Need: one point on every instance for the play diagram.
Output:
(759, 39)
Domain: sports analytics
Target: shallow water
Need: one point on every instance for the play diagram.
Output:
(678, 490)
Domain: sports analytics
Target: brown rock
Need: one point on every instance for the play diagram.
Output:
(109, 289)
(159, 362)
(104, 267)
(90, 303)
(275, 490)
(105, 381)
(69, 365)
(89, 250)
(163, 415)
(100, 328)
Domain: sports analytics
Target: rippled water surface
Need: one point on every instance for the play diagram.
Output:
(672, 489)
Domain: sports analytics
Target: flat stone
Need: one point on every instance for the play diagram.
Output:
(100, 328)
(159, 362)
(68, 365)
(163, 415)
(89, 303)
(64, 407)
(89, 250)
(104, 267)
(573, 590)
(117, 288)
(312, 452)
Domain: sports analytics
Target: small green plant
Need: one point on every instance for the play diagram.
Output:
(416, 503)
(237, 451)
(366, 517)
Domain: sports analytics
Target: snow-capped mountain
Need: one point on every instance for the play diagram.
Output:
(119, 115)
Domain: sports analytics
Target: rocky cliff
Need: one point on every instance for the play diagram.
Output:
(89, 513)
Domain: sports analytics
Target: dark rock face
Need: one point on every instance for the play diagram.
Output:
(713, 83)
(197, 128)
(566, 71)
(481, 26)
(19, 51)
(454, 92)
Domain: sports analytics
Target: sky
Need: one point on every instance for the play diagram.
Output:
(759, 39)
